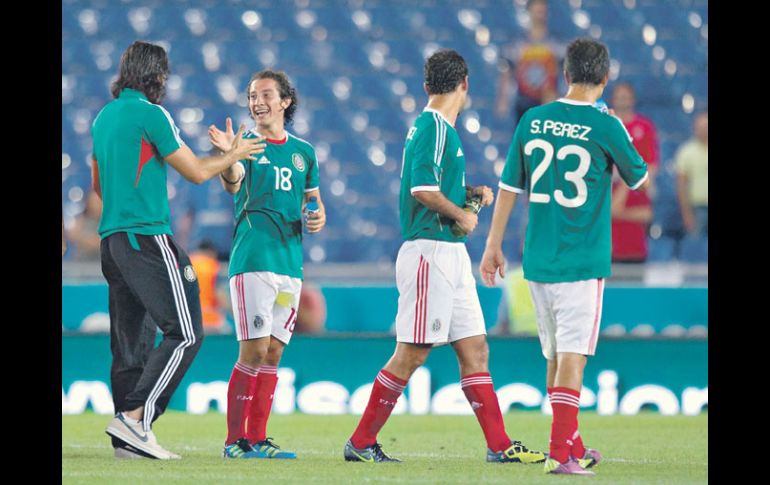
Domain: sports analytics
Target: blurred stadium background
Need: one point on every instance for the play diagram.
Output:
(357, 65)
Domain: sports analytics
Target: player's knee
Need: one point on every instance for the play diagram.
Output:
(274, 354)
(415, 360)
(252, 353)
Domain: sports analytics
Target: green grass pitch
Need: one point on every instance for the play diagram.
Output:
(643, 449)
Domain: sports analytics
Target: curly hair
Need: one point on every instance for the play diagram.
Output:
(143, 67)
(285, 90)
(444, 70)
(587, 61)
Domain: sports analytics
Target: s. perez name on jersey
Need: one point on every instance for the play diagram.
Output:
(558, 128)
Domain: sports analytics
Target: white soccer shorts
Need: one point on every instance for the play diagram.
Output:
(264, 303)
(437, 298)
(568, 315)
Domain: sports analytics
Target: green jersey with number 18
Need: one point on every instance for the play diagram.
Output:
(563, 153)
(268, 207)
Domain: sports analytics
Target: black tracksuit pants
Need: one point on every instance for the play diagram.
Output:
(151, 285)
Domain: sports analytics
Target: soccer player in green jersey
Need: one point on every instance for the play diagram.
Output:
(437, 302)
(563, 155)
(266, 258)
(151, 281)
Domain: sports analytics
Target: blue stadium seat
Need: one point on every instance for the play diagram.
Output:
(661, 249)
(694, 250)
(315, 60)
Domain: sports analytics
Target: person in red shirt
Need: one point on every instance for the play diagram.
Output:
(632, 210)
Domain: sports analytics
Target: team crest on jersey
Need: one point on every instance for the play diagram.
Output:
(298, 162)
(189, 273)
(436, 325)
(258, 321)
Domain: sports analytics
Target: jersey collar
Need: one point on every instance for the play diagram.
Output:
(440, 114)
(274, 142)
(572, 101)
(131, 93)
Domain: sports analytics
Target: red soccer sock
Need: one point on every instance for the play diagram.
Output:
(382, 400)
(565, 403)
(578, 449)
(240, 396)
(256, 428)
(481, 395)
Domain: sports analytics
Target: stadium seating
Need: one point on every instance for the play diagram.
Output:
(353, 63)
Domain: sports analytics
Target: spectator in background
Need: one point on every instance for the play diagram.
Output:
(213, 298)
(532, 65)
(692, 167)
(84, 235)
(632, 209)
(311, 314)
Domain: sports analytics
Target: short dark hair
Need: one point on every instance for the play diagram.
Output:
(587, 61)
(143, 67)
(285, 90)
(444, 70)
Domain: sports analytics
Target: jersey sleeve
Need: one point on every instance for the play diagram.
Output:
(312, 181)
(514, 176)
(162, 131)
(631, 166)
(428, 148)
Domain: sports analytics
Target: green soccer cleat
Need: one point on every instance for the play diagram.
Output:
(516, 453)
(370, 454)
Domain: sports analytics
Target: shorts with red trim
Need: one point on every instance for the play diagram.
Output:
(264, 303)
(568, 315)
(437, 298)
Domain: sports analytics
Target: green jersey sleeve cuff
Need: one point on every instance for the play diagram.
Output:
(641, 181)
(510, 188)
(424, 188)
(311, 189)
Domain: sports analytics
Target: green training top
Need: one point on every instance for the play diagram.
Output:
(131, 137)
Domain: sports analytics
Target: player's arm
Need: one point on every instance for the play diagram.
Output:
(513, 181)
(95, 185)
(232, 177)
(164, 136)
(487, 196)
(198, 170)
(436, 201)
(317, 220)
(631, 166)
(492, 261)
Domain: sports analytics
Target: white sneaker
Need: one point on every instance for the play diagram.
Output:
(134, 435)
(128, 452)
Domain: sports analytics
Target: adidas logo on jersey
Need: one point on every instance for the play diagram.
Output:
(459, 152)
(263, 160)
